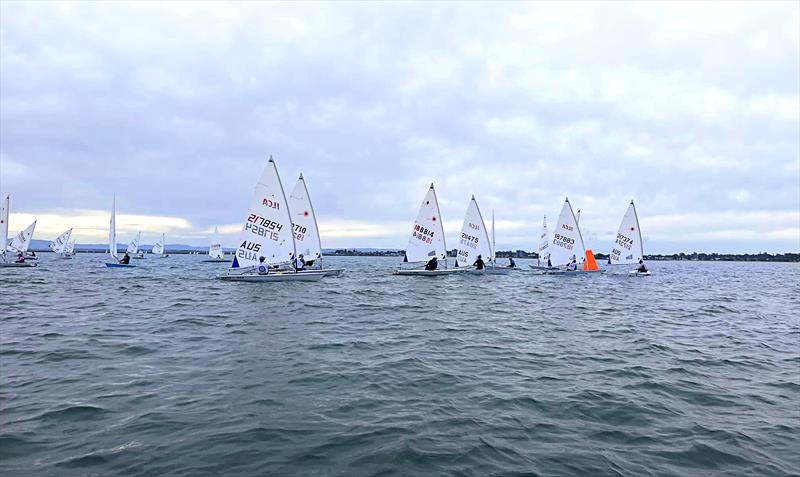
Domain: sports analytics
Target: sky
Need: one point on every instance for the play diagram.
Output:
(691, 109)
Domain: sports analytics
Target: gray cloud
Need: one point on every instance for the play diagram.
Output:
(689, 109)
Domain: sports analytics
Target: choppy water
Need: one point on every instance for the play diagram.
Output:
(164, 371)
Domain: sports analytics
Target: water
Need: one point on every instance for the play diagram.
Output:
(163, 371)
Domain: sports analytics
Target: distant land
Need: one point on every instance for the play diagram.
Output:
(43, 246)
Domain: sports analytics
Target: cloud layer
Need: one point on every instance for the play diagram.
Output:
(691, 109)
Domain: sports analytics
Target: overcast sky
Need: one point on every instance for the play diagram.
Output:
(691, 109)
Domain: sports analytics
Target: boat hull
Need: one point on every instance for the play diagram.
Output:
(216, 260)
(489, 271)
(429, 273)
(275, 277)
(574, 272)
(635, 273)
(18, 265)
(120, 265)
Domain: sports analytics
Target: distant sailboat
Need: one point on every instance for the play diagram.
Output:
(567, 244)
(133, 247)
(628, 246)
(112, 239)
(69, 250)
(215, 252)
(61, 243)
(427, 240)
(158, 247)
(475, 242)
(306, 231)
(9, 252)
(543, 250)
(267, 234)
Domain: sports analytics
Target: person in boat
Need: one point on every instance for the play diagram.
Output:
(432, 264)
(573, 265)
(263, 266)
(549, 263)
(479, 264)
(20, 258)
(126, 259)
(300, 264)
(511, 263)
(642, 268)
(32, 254)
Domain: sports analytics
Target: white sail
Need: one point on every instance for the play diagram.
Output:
(567, 241)
(474, 239)
(158, 247)
(306, 232)
(628, 247)
(544, 243)
(4, 212)
(60, 243)
(133, 247)
(22, 240)
(267, 230)
(215, 250)
(112, 229)
(70, 248)
(427, 236)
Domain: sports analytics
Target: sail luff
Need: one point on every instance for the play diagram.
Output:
(638, 229)
(288, 210)
(4, 213)
(441, 224)
(314, 216)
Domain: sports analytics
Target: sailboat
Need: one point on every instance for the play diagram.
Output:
(112, 239)
(427, 240)
(267, 237)
(474, 242)
(19, 244)
(60, 244)
(306, 231)
(133, 247)
(158, 247)
(69, 250)
(567, 243)
(628, 246)
(215, 252)
(542, 251)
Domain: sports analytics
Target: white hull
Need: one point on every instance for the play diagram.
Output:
(635, 273)
(275, 277)
(489, 271)
(18, 265)
(429, 273)
(217, 260)
(574, 272)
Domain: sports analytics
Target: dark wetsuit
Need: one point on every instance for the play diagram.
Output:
(125, 260)
(642, 269)
(432, 264)
(511, 263)
(479, 265)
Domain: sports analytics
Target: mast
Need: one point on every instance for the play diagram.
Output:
(313, 214)
(4, 214)
(441, 224)
(288, 212)
(494, 246)
(638, 229)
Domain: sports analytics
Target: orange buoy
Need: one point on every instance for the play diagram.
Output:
(590, 263)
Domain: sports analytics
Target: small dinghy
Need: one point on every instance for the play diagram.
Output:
(158, 247)
(267, 238)
(474, 242)
(628, 246)
(112, 239)
(19, 244)
(306, 231)
(133, 247)
(567, 242)
(61, 244)
(215, 252)
(427, 242)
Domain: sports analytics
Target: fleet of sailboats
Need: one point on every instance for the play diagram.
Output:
(280, 240)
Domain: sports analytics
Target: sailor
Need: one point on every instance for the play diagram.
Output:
(511, 263)
(300, 263)
(21, 258)
(642, 268)
(549, 263)
(126, 259)
(573, 265)
(432, 264)
(263, 267)
(479, 265)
